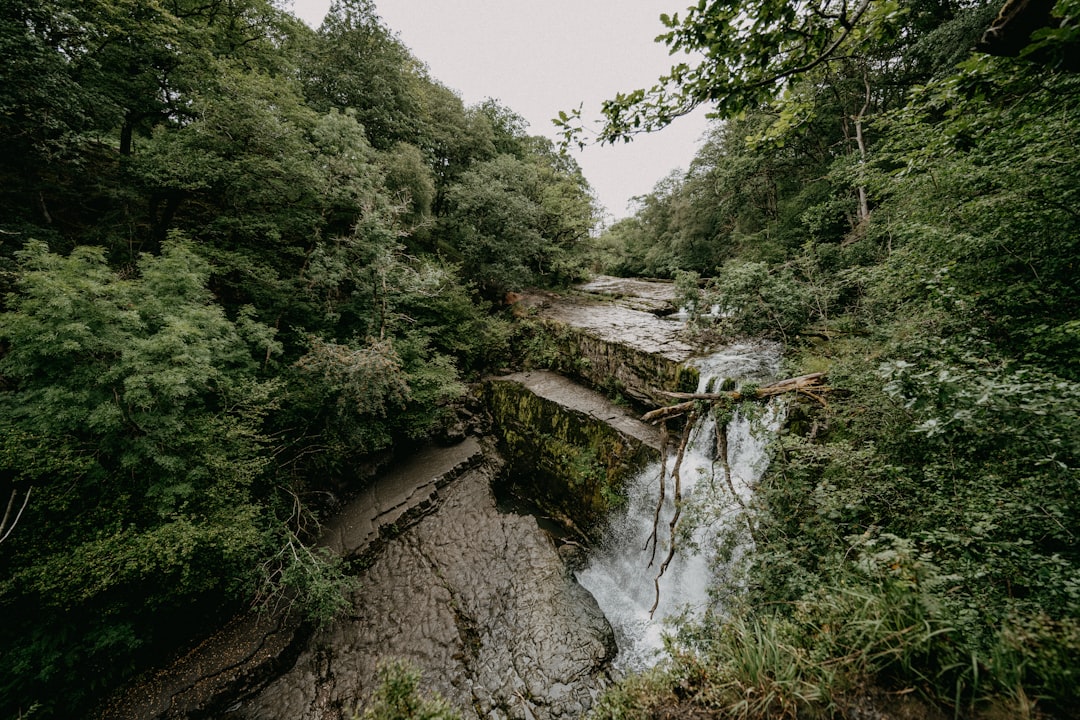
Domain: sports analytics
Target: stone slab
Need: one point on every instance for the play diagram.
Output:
(575, 397)
(252, 647)
(479, 601)
(615, 323)
(404, 488)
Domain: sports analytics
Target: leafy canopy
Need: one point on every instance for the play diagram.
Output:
(744, 53)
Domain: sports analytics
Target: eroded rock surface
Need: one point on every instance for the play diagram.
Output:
(400, 493)
(569, 448)
(617, 341)
(255, 646)
(479, 601)
(619, 324)
(654, 296)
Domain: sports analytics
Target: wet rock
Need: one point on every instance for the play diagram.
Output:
(633, 287)
(254, 647)
(653, 296)
(573, 556)
(479, 601)
(618, 324)
(400, 494)
(246, 652)
(617, 347)
(569, 449)
(453, 433)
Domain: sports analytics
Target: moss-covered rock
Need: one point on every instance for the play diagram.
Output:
(569, 449)
(617, 369)
(609, 344)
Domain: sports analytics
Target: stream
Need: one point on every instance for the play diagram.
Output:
(481, 599)
(621, 574)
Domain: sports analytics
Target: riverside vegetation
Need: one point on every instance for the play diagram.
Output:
(902, 212)
(241, 258)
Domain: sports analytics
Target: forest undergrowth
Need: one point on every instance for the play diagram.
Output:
(915, 538)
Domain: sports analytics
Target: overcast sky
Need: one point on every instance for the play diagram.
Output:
(540, 57)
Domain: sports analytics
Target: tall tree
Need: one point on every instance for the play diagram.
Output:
(133, 412)
(358, 64)
(515, 223)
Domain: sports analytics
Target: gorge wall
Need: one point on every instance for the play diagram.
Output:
(568, 448)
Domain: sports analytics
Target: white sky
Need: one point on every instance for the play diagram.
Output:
(538, 57)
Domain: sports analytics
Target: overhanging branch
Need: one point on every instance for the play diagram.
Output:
(812, 385)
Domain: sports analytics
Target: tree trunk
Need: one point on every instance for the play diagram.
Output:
(860, 141)
(810, 384)
(126, 132)
(169, 204)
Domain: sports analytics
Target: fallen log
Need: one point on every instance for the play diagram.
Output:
(812, 384)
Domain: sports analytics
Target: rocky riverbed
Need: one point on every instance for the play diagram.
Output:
(478, 598)
(479, 601)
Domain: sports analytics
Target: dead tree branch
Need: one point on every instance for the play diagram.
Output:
(812, 385)
(664, 440)
(5, 528)
(722, 453)
(673, 525)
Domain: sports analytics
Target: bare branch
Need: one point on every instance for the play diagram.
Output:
(7, 513)
(668, 412)
(722, 453)
(801, 384)
(673, 525)
(664, 441)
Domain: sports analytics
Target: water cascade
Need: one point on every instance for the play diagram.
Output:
(621, 573)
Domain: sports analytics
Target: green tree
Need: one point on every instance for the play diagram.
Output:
(44, 105)
(752, 51)
(358, 64)
(146, 397)
(107, 73)
(808, 77)
(509, 128)
(411, 184)
(453, 138)
(261, 179)
(516, 223)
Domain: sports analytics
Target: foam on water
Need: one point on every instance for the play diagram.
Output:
(619, 573)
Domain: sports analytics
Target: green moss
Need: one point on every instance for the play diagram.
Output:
(567, 463)
(609, 367)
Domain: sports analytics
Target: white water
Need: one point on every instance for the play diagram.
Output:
(618, 573)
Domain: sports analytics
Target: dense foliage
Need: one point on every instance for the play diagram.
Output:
(903, 213)
(237, 257)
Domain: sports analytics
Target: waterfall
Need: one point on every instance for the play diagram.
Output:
(618, 572)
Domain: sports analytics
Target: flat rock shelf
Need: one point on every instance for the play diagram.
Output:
(479, 601)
